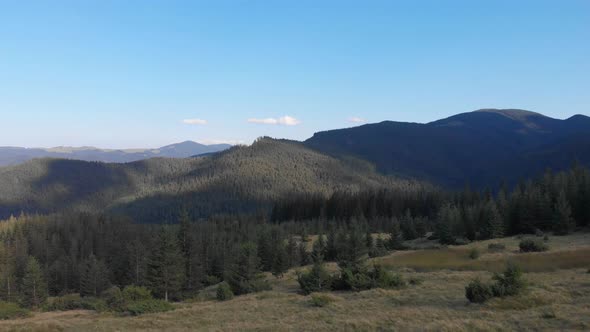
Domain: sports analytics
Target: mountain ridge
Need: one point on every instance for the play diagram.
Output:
(16, 155)
(464, 148)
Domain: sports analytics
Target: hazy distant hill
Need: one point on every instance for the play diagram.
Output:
(155, 190)
(480, 148)
(15, 155)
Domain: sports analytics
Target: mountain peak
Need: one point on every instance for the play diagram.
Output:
(513, 113)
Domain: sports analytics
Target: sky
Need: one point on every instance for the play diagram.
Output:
(125, 74)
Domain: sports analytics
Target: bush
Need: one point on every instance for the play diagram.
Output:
(510, 283)
(321, 300)
(148, 306)
(113, 298)
(136, 293)
(316, 280)
(496, 247)
(384, 279)
(530, 245)
(10, 310)
(474, 253)
(224, 292)
(74, 302)
(478, 292)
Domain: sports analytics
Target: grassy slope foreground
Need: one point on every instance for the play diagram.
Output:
(558, 298)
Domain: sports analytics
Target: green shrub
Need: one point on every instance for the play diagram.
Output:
(74, 302)
(113, 298)
(509, 283)
(384, 279)
(321, 300)
(496, 247)
(530, 245)
(474, 253)
(316, 280)
(10, 310)
(148, 306)
(478, 292)
(224, 292)
(354, 281)
(136, 293)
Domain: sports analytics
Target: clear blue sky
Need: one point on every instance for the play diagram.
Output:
(127, 73)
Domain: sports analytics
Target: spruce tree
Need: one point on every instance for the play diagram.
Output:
(395, 238)
(34, 287)
(185, 244)
(304, 257)
(493, 225)
(94, 277)
(563, 221)
(281, 262)
(166, 267)
(244, 276)
(7, 276)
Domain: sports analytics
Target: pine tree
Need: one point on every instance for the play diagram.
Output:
(352, 256)
(448, 217)
(7, 276)
(563, 221)
(185, 244)
(244, 276)
(304, 257)
(369, 241)
(94, 277)
(493, 225)
(395, 241)
(281, 262)
(34, 287)
(331, 246)
(292, 253)
(166, 267)
(137, 257)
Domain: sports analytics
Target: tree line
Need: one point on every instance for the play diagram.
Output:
(86, 253)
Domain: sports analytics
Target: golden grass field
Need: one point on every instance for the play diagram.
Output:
(558, 298)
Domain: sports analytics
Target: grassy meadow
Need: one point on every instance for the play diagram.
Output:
(557, 298)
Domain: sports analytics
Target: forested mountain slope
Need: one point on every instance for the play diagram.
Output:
(238, 180)
(480, 148)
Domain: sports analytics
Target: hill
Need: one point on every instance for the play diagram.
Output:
(480, 148)
(241, 179)
(15, 155)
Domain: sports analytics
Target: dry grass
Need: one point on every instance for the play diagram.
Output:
(555, 300)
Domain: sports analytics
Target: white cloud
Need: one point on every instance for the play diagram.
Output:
(355, 119)
(284, 120)
(194, 121)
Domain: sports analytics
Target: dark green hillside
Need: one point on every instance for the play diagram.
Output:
(480, 148)
(154, 190)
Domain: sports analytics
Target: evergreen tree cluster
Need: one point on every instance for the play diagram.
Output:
(86, 253)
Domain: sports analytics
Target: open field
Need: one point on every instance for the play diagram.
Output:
(558, 298)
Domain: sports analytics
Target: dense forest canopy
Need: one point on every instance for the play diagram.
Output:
(87, 253)
(242, 179)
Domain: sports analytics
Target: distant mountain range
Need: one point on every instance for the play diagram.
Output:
(16, 155)
(479, 148)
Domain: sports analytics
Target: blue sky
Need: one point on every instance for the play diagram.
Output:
(128, 73)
